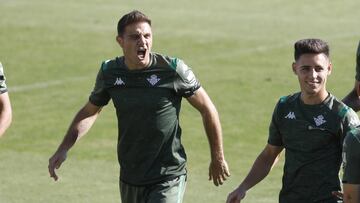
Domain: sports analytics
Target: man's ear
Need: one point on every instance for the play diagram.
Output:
(120, 41)
(294, 67)
(329, 68)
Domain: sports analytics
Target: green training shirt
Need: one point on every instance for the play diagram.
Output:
(351, 157)
(312, 137)
(3, 87)
(147, 104)
(357, 77)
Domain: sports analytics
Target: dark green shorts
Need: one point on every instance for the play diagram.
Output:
(171, 191)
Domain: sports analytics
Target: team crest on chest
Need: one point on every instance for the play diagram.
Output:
(153, 79)
(319, 120)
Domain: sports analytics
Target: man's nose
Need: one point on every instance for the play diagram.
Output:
(313, 73)
(142, 40)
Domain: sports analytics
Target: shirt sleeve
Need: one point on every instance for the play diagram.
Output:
(351, 158)
(3, 87)
(275, 137)
(350, 121)
(100, 96)
(357, 77)
(185, 83)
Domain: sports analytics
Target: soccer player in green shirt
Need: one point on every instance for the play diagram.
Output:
(310, 126)
(352, 191)
(146, 89)
(5, 105)
(351, 167)
(353, 98)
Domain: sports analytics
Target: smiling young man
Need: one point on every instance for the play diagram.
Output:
(310, 125)
(146, 89)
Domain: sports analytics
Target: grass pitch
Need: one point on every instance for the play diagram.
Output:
(240, 50)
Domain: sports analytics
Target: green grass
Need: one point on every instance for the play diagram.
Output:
(240, 50)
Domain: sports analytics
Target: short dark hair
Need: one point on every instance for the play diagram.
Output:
(310, 46)
(130, 18)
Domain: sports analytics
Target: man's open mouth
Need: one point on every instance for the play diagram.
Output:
(141, 53)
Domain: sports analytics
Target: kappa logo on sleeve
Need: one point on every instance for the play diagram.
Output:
(291, 115)
(119, 81)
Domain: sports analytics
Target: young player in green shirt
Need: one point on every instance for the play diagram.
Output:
(146, 89)
(351, 167)
(351, 189)
(310, 126)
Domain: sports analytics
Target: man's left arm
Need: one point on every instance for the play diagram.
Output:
(5, 112)
(218, 169)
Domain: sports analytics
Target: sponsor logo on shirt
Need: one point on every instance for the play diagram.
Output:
(153, 79)
(119, 81)
(291, 115)
(319, 120)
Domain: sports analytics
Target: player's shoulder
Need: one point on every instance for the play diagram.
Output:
(110, 64)
(286, 103)
(338, 108)
(166, 62)
(289, 99)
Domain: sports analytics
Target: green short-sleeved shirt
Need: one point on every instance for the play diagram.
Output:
(357, 77)
(351, 157)
(312, 137)
(3, 87)
(147, 104)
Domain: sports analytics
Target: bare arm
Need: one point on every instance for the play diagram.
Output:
(260, 169)
(82, 122)
(5, 112)
(353, 98)
(218, 169)
(351, 193)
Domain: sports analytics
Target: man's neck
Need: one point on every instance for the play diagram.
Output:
(312, 99)
(131, 66)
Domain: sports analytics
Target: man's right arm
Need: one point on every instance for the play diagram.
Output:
(82, 122)
(260, 169)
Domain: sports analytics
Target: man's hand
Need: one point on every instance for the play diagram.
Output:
(236, 196)
(55, 162)
(218, 171)
(338, 194)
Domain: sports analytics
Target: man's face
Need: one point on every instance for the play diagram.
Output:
(312, 71)
(136, 43)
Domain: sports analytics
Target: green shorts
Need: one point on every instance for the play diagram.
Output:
(171, 191)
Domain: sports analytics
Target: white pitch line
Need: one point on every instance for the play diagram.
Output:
(42, 85)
